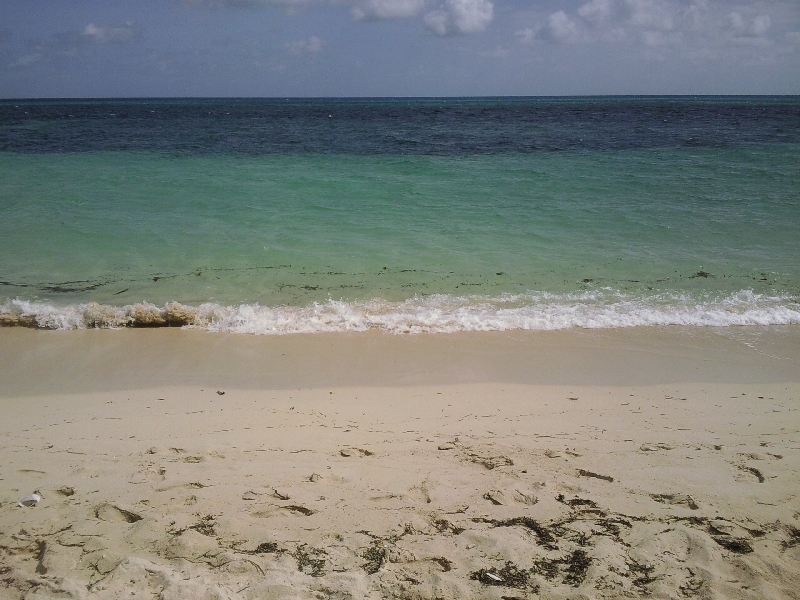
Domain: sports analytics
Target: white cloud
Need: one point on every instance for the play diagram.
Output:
(437, 22)
(241, 3)
(310, 46)
(460, 17)
(740, 26)
(561, 28)
(27, 60)
(597, 11)
(69, 44)
(386, 9)
(527, 35)
(110, 35)
(655, 23)
(652, 15)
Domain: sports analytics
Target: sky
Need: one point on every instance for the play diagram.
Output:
(302, 48)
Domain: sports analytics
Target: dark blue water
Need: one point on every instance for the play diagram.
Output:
(445, 127)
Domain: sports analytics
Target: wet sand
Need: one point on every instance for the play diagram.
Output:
(596, 464)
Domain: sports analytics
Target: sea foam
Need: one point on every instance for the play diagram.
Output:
(439, 313)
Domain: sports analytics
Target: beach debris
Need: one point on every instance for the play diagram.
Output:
(249, 495)
(310, 561)
(490, 462)
(525, 498)
(543, 536)
(759, 475)
(576, 501)
(263, 548)
(30, 501)
(496, 497)
(754, 456)
(644, 571)
(299, 509)
(41, 548)
(205, 526)
(509, 576)
(446, 564)
(352, 452)
(676, 499)
(445, 526)
(737, 545)
(585, 473)
(220, 393)
(574, 567)
(375, 556)
(280, 495)
(656, 447)
(794, 537)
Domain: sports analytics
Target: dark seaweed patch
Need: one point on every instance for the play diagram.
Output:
(375, 556)
(643, 573)
(585, 473)
(509, 576)
(755, 472)
(445, 526)
(573, 566)
(264, 548)
(737, 545)
(543, 535)
(576, 501)
(205, 526)
(794, 537)
(310, 561)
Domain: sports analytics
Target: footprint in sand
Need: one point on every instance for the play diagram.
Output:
(115, 514)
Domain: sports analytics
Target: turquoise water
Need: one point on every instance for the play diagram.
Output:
(281, 242)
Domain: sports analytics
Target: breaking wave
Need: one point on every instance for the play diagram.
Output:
(433, 314)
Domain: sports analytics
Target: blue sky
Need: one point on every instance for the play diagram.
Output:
(102, 48)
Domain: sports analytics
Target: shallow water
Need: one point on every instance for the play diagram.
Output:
(267, 216)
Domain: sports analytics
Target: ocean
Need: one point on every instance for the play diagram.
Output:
(276, 216)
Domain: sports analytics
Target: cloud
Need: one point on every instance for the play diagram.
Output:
(110, 35)
(67, 44)
(655, 23)
(310, 46)
(460, 17)
(597, 11)
(560, 28)
(25, 61)
(200, 4)
(372, 10)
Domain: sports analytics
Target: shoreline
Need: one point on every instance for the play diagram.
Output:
(42, 362)
(579, 464)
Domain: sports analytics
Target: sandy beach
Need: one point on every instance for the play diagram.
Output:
(621, 463)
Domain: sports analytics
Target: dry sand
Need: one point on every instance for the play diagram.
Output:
(650, 462)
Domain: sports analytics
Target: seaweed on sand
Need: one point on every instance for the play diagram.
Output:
(509, 576)
(574, 567)
(543, 535)
(310, 561)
